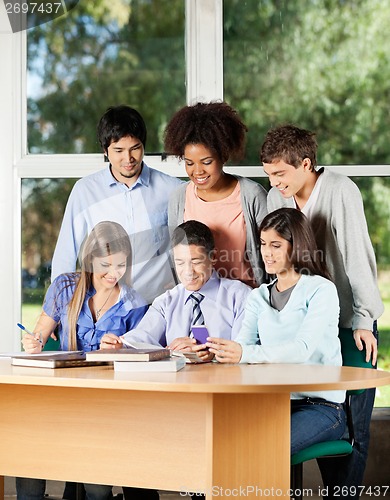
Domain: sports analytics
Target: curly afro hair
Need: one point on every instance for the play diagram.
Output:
(215, 125)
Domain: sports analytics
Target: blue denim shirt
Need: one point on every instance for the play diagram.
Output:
(121, 317)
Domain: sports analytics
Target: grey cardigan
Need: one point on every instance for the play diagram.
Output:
(254, 206)
(341, 232)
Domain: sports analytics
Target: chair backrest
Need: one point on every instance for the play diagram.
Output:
(351, 354)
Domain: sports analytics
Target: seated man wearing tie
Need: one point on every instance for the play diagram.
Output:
(202, 297)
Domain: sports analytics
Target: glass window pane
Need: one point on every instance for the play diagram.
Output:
(43, 205)
(376, 197)
(321, 65)
(104, 53)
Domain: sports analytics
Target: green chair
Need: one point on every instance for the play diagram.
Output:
(52, 345)
(341, 447)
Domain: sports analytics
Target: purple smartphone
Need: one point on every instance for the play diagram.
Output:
(200, 333)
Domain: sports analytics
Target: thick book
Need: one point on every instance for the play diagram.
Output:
(60, 360)
(163, 365)
(128, 354)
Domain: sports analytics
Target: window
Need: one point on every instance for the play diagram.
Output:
(322, 65)
(99, 55)
(43, 204)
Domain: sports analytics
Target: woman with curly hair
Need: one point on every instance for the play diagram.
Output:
(206, 136)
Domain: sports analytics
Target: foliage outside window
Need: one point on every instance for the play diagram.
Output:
(324, 65)
(104, 53)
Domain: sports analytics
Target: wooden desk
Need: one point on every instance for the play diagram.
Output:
(216, 428)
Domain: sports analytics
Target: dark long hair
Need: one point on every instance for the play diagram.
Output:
(294, 227)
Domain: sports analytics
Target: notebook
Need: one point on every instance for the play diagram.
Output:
(56, 360)
(163, 365)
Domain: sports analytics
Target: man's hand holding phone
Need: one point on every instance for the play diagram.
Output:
(200, 333)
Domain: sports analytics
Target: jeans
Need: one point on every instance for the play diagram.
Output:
(314, 420)
(97, 491)
(34, 489)
(349, 471)
(30, 489)
(73, 491)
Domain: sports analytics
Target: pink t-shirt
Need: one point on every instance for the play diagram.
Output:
(226, 220)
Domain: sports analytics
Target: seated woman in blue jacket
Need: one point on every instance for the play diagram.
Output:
(294, 319)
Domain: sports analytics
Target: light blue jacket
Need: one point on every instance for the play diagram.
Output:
(304, 331)
(122, 316)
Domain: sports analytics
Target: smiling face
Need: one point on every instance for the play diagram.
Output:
(193, 266)
(126, 157)
(275, 252)
(107, 271)
(289, 180)
(203, 168)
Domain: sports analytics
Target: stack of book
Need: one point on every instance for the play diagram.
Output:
(141, 357)
(139, 360)
(54, 359)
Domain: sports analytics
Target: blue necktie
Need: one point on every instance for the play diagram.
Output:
(197, 316)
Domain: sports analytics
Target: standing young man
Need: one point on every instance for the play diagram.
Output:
(334, 206)
(128, 192)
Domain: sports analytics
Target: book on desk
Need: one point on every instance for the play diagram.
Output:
(173, 364)
(55, 359)
(189, 356)
(129, 354)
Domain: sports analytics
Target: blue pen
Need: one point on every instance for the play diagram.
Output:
(28, 331)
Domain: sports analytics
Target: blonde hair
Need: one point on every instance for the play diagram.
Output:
(106, 238)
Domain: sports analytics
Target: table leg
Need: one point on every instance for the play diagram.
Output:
(250, 446)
